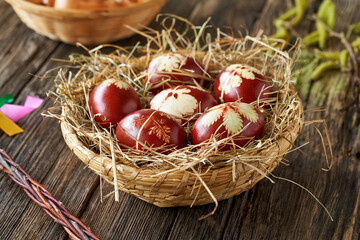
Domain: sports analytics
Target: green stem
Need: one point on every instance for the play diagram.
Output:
(327, 14)
(322, 68)
(281, 33)
(288, 14)
(300, 6)
(312, 38)
(356, 44)
(344, 58)
(334, 56)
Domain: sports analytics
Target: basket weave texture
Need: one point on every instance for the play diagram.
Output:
(184, 187)
(180, 188)
(88, 27)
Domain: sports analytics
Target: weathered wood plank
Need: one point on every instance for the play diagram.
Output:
(46, 228)
(39, 148)
(283, 210)
(130, 218)
(127, 221)
(268, 211)
(239, 15)
(22, 52)
(210, 228)
(188, 226)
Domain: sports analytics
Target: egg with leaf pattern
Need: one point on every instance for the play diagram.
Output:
(240, 121)
(241, 82)
(173, 69)
(183, 102)
(148, 128)
(111, 100)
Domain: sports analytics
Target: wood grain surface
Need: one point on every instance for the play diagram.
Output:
(268, 211)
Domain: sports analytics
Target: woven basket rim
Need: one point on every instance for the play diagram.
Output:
(78, 13)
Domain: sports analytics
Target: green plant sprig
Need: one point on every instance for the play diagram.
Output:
(353, 66)
(295, 14)
(314, 43)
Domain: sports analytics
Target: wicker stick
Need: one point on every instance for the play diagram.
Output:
(41, 196)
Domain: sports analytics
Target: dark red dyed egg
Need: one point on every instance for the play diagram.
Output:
(240, 120)
(183, 102)
(152, 128)
(241, 82)
(173, 69)
(111, 100)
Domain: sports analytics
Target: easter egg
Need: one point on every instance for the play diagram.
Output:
(241, 82)
(173, 69)
(183, 102)
(111, 100)
(150, 128)
(238, 120)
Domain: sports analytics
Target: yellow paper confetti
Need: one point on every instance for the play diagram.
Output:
(8, 126)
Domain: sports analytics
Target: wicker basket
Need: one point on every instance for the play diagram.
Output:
(183, 188)
(86, 26)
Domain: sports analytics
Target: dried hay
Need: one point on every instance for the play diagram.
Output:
(191, 175)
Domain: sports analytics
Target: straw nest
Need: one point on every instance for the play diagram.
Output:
(89, 27)
(188, 176)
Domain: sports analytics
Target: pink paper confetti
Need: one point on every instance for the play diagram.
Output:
(16, 112)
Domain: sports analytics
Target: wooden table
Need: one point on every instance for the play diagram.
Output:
(268, 211)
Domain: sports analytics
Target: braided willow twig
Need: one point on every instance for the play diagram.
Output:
(76, 229)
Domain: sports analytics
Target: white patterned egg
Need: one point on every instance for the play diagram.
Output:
(173, 69)
(241, 82)
(238, 120)
(183, 102)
